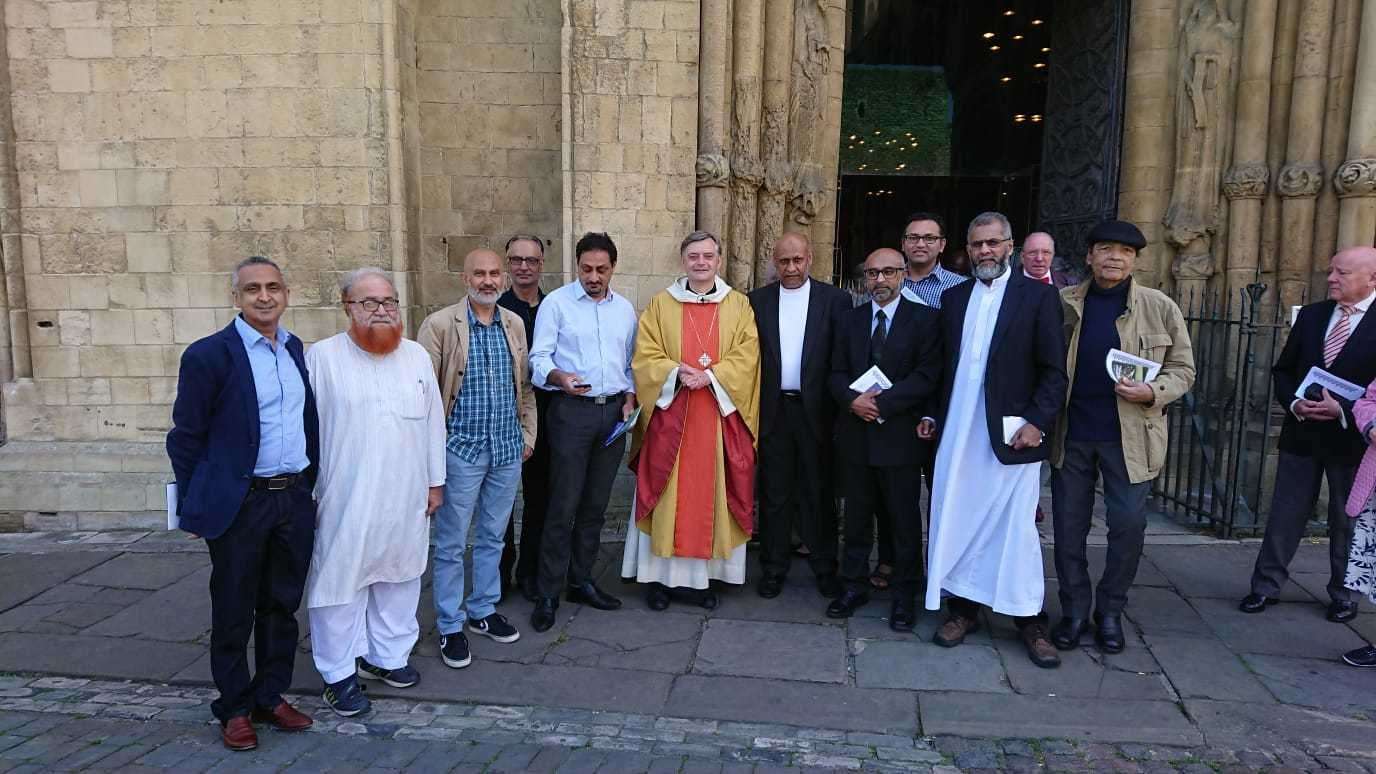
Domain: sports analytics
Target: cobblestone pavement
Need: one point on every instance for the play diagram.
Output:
(103, 665)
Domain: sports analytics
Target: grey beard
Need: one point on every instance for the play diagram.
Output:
(486, 299)
(989, 274)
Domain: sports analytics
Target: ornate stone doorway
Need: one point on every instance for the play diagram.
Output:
(956, 108)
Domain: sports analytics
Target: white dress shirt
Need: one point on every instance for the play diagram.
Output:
(792, 327)
(889, 310)
(593, 339)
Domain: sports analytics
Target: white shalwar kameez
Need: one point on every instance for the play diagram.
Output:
(982, 544)
(382, 435)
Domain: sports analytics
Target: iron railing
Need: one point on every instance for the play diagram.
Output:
(1220, 457)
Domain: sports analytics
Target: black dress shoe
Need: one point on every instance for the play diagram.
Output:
(1341, 612)
(829, 586)
(1361, 657)
(587, 593)
(845, 605)
(542, 617)
(1066, 634)
(657, 597)
(1255, 603)
(707, 599)
(530, 588)
(1109, 633)
(902, 616)
(770, 586)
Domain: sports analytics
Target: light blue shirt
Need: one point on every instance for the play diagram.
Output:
(594, 339)
(281, 403)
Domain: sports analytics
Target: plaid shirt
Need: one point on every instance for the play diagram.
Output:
(930, 287)
(484, 416)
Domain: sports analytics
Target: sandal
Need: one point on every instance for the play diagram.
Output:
(880, 578)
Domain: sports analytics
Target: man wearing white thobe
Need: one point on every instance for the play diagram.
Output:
(1005, 365)
(382, 475)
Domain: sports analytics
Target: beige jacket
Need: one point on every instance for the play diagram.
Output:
(444, 335)
(1153, 328)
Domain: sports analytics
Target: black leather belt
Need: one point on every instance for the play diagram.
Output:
(600, 400)
(794, 394)
(275, 483)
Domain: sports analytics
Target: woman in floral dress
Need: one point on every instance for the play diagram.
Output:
(1361, 506)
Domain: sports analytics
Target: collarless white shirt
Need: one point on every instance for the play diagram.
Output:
(792, 328)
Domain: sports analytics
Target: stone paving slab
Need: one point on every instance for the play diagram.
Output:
(795, 703)
(1322, 683)
(628, 639)
(1283, 630)
(770, 649)
(923, 666)
(973, 714)
(177, 613)
(1226, 573)
(1205, 668)
(23, 576)
(95, 656)
(151, 572)
(1241, 724)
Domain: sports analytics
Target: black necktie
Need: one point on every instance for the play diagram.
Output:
(881, 332)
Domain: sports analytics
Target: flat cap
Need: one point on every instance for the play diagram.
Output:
(1117, 231)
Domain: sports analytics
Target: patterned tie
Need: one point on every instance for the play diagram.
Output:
(881, 332)
(1337, 337)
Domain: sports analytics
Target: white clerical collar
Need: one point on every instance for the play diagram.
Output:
(803, 288)
(889, 308)
(680, 292)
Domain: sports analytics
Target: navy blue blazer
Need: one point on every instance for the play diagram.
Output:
(213, 443)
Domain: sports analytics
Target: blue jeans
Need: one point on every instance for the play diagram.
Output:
(490, 491)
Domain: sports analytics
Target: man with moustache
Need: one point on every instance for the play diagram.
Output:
(1038, 253)
(478, 352)
(381, 477)
(1112, 431)
(795, 317)
(244, 449)
(584, 338)
(1320, 439)
(1005, 368)
(525, 257)
(697, 376)
(876, 437)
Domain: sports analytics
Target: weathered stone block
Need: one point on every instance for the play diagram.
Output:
(148, 252)
(153, 326)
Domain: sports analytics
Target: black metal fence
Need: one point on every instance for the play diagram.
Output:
(1220, 461)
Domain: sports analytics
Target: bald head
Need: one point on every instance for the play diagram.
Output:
(884, 270)
(793, 260)
(1038, 251)
(482, 254)
(482, 269)
(1352, 275)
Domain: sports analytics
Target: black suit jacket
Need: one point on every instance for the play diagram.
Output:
(912, 361)
(1303, 350)
(213, 443)
(825, 306)
(1026, 374)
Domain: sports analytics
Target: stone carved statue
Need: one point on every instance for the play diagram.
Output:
(1356, 178)
(1208, 49)
(811, 67)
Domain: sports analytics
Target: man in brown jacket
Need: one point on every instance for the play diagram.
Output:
(1111, 428)
(479, 353)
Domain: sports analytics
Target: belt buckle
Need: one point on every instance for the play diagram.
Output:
(278, 483)
(600, 400)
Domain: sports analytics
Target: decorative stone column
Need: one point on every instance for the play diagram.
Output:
(747, 173)
(1245, 184)
(1355, 180)
(1338, 105)
(1300, 179)
(714, 110)
(778, 172)
(1282, 73)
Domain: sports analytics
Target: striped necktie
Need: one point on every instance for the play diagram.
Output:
(1338, 336)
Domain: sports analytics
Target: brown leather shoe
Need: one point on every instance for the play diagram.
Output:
(284, 717)
(238, 734)
(1039, 647)
(953, 632)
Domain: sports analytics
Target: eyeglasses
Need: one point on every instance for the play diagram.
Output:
(930, 239)
(524, 260)
(371, 304)
(889, 272)
(989, 243)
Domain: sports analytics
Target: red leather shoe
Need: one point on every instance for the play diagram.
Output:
(284, 717)
(238, 734)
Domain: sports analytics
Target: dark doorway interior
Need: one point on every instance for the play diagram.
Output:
(943, 110)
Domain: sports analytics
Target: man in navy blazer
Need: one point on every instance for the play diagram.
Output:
(244, 447)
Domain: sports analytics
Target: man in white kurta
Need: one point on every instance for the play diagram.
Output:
(382, 471)
(983, 545)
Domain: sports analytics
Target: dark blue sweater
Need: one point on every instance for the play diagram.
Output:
(1093, 410)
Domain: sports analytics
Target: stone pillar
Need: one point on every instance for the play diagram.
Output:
(1302, 175)
(1355, 181)
(747, 172)
(1246, 182)
(15, 359)
(1341, 68)
(818, 71)
(714, 111)
(1282, 72)
(778, 171)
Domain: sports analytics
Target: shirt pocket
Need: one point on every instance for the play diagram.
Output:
(1155, 345)
(412, 400)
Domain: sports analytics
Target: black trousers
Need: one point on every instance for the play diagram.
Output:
(1297, 490)
(871, 491)
(795, 471)
(1072, 505)
(258, 573)
(581, 474)
(534, 502)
